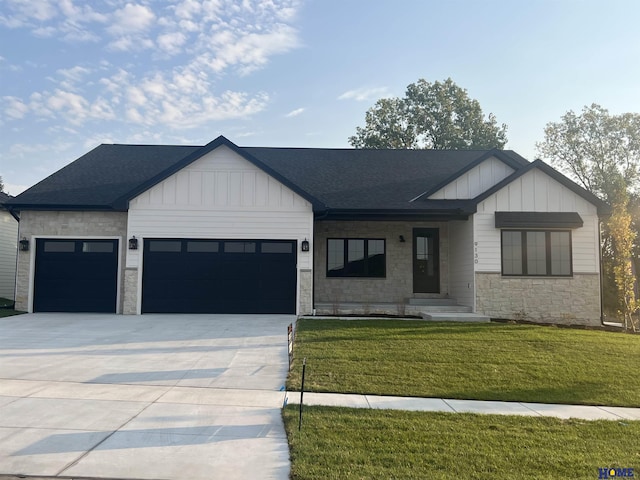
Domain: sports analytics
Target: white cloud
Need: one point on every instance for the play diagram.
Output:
(208, 40)
(187, 9)
(72, 76)
(15, 108)
(294, 113)
(171, 43)
(131, 19)
(364, 94)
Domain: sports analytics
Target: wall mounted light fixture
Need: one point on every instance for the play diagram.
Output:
(305, 245)
(24, 245)
(133, 243)
(401, 238)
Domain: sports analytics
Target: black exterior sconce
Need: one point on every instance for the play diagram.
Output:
(24, 245)
(401, 238)
(133, 243)
(305, 245)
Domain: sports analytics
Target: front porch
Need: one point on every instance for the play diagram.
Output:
(394, 268)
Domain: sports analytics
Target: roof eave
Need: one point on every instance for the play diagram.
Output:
(61, 207)
(602, 207)
(444, 214)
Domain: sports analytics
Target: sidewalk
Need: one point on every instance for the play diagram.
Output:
(585, 412)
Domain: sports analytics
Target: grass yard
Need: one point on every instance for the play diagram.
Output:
(342, 443)
(492, 361)
(7, 312)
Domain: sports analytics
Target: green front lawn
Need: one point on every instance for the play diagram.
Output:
(7, 312)
(491, 361)
(342, 443)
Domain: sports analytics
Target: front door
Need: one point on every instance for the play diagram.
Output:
(426, 260)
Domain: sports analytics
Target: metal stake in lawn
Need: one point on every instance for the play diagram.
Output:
(304, 367)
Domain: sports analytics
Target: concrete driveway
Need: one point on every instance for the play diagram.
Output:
(143, 397)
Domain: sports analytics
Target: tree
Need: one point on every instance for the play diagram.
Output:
(437, 115)
(602, 153)
(622, 237)
(597, 149)
(1, 185)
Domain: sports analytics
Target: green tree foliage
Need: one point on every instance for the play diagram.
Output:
(622, 237)
(602, 152)
(1, 185)
(437, 115)
(597, 149)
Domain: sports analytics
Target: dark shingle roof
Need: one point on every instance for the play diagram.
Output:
(102, 175)
(332, 179)
(365, 179)
(4, 198)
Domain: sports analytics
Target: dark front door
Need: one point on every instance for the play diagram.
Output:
(426, 260)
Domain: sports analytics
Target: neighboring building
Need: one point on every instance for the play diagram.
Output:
(8, 249)
(223, 229)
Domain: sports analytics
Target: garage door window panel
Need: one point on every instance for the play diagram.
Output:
(197, 246)
(239, 247)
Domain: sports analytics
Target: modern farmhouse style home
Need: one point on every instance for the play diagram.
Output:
(220, 228)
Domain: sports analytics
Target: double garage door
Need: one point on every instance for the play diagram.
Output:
(219, 276)
(179, 276)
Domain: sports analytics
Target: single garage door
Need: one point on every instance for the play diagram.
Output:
(75, 275)
(219, 276)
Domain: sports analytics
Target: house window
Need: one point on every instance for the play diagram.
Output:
(356, 257)
(536, 253)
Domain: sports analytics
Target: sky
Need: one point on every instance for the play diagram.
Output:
(291, 73)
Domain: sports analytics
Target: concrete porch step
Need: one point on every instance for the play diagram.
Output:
(455, 317)
(352, 308)
(443, 308)
(432, 301)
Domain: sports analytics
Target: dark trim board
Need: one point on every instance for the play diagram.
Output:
(219, 276)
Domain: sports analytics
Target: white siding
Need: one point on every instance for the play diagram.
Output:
(220, 195)
(461, 272)
(8, 252)
(477, 180)
(535, 191)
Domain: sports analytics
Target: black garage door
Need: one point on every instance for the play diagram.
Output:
(75, 275)
(219, 276)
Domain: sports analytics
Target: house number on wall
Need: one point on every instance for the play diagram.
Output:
(475, 252)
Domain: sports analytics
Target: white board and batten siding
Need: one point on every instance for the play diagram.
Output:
(472, 183)
(461, 272)
(221, 196)
(535, 191)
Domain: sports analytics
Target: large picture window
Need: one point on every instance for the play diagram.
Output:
(356, 257)
(536, 253)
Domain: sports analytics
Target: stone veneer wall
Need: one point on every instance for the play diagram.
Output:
(398, 284)
(567, 300)
(130, 292)
(306, 292)
(69, 224)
